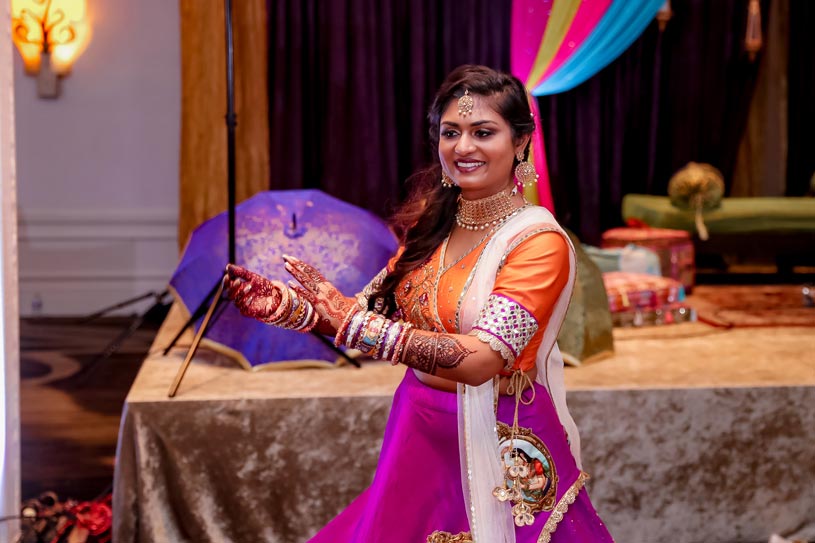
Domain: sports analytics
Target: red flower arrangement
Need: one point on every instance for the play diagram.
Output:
(47, 520)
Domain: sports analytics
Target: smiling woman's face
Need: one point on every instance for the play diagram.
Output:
(477, 151)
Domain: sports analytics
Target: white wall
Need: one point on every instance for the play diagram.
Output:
(98, 167)
(9, 329)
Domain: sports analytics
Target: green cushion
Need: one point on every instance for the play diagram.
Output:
(586, 334)
(736, 215)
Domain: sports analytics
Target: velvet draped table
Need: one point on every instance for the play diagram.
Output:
(691, 434)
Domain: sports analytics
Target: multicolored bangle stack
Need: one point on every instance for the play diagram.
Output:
(293, 312)
(375, 335)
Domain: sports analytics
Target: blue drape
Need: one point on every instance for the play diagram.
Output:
(624, 21)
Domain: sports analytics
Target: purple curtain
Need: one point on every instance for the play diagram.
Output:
(351, 80)
(671, 98)
(801, 106)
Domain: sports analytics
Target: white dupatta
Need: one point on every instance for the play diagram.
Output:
(491, 520)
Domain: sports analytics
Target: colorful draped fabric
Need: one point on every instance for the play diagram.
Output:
(558, 44)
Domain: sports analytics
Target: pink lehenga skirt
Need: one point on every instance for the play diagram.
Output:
(417, 487)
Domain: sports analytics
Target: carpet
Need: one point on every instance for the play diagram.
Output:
(754, 305)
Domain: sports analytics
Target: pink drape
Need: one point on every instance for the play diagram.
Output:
(529, 18)
(539, 157)
(529, 26)
(588, 15)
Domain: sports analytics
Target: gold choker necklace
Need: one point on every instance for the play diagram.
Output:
(485, 212)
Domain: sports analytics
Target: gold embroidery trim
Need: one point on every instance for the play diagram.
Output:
(446, 537)
(496, 345)
(509, 322)
(561, 508)
(484, 251)
(572, 262)
(444, 269)
(465, 398)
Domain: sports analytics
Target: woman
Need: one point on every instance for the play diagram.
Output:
(472, 303)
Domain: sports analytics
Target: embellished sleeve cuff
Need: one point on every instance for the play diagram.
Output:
(505, 325)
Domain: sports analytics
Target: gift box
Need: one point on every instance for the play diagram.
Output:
(638, 299)
(673, 314)
(631, 258)
(640, 290)
(674, 247)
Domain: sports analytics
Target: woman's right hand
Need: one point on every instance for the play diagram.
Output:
(254, 295)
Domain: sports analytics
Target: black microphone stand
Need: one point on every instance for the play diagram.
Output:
(217, 289)
(214, 298)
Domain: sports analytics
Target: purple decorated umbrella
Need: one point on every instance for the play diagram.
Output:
(348, 244)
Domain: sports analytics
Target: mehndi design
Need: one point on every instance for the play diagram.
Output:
(329, 302)
(428, 351)
(254, 295)
(397, 341)
(269, 301)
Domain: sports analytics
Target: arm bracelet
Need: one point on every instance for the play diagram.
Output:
(294, 313)
(373, 334)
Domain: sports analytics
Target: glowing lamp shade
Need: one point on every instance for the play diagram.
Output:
(57, 30)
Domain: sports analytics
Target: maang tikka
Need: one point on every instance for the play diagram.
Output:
(525, 172)
(465, 104)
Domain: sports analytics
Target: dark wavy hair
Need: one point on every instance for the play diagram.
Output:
(427, 216)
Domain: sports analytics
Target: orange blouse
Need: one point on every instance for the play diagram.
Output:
(534, 274)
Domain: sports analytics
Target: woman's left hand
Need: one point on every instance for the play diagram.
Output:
(327, 300)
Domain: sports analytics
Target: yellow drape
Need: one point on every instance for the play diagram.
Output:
(202, 169)
(563, 12)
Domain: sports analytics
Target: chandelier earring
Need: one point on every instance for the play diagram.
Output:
(525, 172)
(446, 181)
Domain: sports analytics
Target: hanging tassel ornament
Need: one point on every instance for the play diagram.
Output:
(752, 37)
(664, 15)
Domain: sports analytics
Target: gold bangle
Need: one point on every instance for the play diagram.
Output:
(342, 331)
(296, 314)
(285, 300)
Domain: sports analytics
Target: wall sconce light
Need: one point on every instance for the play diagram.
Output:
(664, 15)
(752, 38)
(50, 35)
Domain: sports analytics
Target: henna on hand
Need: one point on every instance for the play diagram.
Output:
(328, 301)
(303, 293)
(324, 325)
(307, 275)
(254, 295)
(337, 307)
(429, 351)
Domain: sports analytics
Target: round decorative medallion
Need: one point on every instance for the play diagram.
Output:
(528, 461)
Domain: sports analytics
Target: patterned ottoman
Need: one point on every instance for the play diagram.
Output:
(674, 248)
(638, 299)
